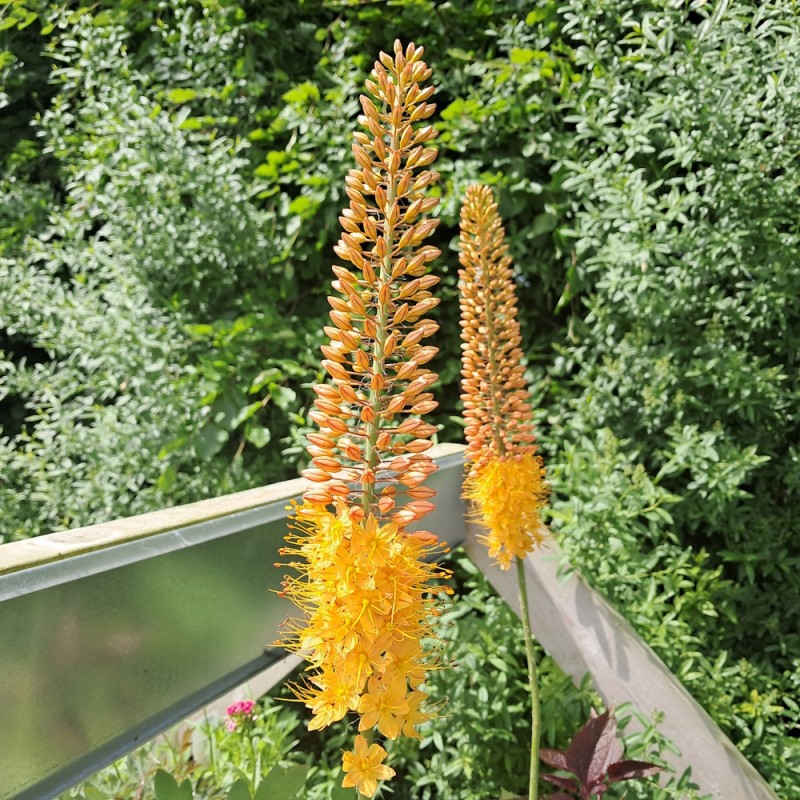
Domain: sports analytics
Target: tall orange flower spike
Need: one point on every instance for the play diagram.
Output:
(364, 583)
(505, 478)
(376, 356)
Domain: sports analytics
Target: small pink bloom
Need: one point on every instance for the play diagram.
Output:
(240, 714)
(241, 707)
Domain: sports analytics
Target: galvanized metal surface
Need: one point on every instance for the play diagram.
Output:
(112, 636)
(104, 649)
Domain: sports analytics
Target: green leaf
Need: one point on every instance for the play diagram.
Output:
(258, 435)
(521, 55)
(167, 788)
(210, 440)
(301, 93)
(283, 396)
(191, 124)
(282, 783)
(340, 793)
(535, 16)
(543, 223)
(200, 331)
(181, 95)
(245, 414)
(300, 205)
(27, 19)
(166, 480)
(264, 377)
(240, 791)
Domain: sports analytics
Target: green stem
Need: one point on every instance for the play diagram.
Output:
(494, 382)
(211, 747)
(256, 765)
(533, 789)
(494, 372)
(371, 454)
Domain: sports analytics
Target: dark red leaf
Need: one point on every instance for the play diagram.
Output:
(597, 789)
(560, 796)
(625, 770)
(594, 747)
(554, 758)
(563, 783)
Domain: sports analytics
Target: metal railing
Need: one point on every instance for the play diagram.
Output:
(110, 634)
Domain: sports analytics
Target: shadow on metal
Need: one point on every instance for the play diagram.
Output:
(103, 650)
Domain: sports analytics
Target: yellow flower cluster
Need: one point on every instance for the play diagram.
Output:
(364, 590)
(505, 478)
(509, 491)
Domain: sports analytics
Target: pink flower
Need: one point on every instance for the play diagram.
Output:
(243, 707)
(240, 713)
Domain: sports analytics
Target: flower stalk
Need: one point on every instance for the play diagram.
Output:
(364, 581)
(505, 477)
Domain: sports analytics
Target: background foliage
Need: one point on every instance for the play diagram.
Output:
(172, 173)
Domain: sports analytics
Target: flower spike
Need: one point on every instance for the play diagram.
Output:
(506, 478)
(364, 583)
(369, 441)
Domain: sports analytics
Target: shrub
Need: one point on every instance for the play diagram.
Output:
(113, 408)
(677, 469)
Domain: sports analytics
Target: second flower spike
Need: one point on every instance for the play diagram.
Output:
(505, 478)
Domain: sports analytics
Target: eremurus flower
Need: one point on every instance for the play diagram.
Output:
(505, 478)
(364, 581)
(364, 767)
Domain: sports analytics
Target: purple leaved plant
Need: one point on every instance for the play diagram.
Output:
(595, 758)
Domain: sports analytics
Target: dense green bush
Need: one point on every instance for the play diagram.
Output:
(138, 328)
(171, 195)
(674, 399)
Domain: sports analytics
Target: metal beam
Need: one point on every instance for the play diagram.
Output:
(113, 634)
(110, 634)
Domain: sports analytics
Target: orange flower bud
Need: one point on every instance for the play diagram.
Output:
(406, 370)
(316, 475)
(421, 493)
(396, 404)
(326, 463)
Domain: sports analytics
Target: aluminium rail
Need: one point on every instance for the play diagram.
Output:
(112, 633)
